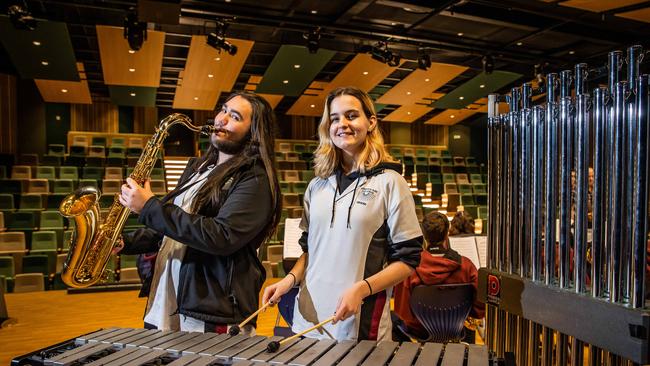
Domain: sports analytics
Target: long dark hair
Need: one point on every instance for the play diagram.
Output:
(260, 146)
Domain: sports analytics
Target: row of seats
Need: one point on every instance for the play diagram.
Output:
(46, 269)
(72, 172)
(84, 140)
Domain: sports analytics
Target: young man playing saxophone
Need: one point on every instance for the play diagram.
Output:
(206, 231)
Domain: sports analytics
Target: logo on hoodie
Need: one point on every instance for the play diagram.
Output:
(366, 195)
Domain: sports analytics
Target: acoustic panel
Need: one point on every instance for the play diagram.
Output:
(421, 83)
(642, 15)
(407, 113)
(600, 5)
(451, 116)
(292, 70)
(44, 53)
(137, 96)
(477, 87)
(62, 91)
(122, 66)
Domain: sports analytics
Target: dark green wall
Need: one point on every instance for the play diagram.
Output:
(125, 119)
(460, 140)
(57, 123)
(31, 136)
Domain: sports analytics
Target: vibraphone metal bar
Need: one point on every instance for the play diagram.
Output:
(543, 300)
(132, 347)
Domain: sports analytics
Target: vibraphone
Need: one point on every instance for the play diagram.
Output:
(125, 346)
(563, 302)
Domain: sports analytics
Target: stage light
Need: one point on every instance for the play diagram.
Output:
(20, 17)
(381, 53)
(313, 40)
(488, 64)
(217, 39)
(135, 32)
(424, 61)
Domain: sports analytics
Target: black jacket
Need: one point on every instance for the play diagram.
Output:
(221, 275)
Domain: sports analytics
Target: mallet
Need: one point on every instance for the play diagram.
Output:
(235, 329)
(274, 346)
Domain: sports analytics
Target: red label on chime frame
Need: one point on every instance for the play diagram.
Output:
(493, 289)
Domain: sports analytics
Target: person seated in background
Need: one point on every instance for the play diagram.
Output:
(439, 264)
(462, 224)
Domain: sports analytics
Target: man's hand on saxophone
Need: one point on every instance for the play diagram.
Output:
(134, 196)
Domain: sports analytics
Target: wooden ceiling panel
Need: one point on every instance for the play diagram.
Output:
(421, 83)
(188, 98)
(204, 60)
(308, 105)
(642, 15)
(60, 91)
(363, 72)
(407, 113)
(600, 5)
(450, 116)
(273, 99)
(121, 67)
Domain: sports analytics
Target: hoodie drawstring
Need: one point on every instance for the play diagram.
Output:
(354, 192)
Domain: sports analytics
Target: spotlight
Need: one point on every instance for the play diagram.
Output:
(217, 39)
(381, 53)
(20, 17)
(313, 40)
(488, 64)
(424, 61)
(134, 31)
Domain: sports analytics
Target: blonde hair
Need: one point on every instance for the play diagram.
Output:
(327, 156)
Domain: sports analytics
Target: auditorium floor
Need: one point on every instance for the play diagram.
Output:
(46, 318)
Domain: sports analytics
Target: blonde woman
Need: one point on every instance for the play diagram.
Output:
(360, 232)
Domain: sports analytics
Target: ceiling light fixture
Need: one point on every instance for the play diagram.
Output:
(312, 105)
(482, 86)
(44, 63)
(572, 52)
(519, 43)
(382, 53)
(21, 17)
(36, 43)
(133, 94)
(285, 81)
(131, 70)
(64, 90)
(460, 34)
(135, 31)
(365, 72)
(196, 98)
(424, 60)
(296, 66)
(210, 75)
(488, 64)
(313, 40)
(131, 51)
(217, 39)
(314, 11)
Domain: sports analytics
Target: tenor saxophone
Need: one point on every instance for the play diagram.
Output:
(94, 240)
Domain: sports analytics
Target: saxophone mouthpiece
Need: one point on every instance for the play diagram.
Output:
(208, 129)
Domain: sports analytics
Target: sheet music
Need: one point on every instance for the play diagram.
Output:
(481, 247)
(465, 246)
(291, 235)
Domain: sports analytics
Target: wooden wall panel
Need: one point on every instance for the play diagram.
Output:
(429, 135)
(145, 120)
(98, 117)
(202, 117)
(304, 128)
(8, 114)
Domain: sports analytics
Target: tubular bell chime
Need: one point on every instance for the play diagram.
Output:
(565, 283)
